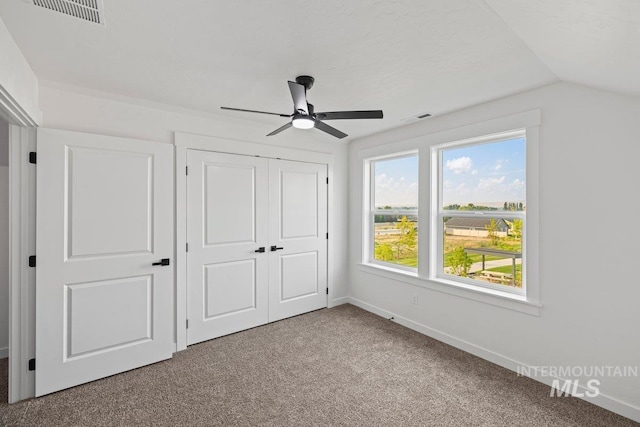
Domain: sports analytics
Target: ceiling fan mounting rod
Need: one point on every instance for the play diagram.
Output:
(306, 81)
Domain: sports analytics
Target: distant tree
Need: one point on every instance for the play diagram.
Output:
(459, 261)
(506, 206)
(407, 237)
(520, 206)
(516, 230)
(383, 252)
(492, 231)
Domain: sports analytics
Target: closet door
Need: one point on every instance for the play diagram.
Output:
(104, 222)
(227, 258)
(297, 238)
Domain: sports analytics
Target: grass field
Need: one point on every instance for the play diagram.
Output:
(386, 234)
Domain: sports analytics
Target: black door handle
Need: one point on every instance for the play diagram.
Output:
(260, 249)
(275, 248)
(163, 261)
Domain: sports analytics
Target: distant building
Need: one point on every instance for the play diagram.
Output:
(474, 227)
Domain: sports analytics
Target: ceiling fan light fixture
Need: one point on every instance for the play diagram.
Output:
(304, 117)
(303, 122)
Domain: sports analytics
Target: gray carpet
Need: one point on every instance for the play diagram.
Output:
(340, 367)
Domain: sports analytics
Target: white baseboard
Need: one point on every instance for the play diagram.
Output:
(4, 352)
(607, 402)
(339, 301)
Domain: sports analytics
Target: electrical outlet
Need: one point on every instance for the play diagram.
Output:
(414, 299)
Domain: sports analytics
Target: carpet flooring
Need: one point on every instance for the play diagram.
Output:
(333, 367)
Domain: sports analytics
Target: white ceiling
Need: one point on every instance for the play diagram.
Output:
(406, 57)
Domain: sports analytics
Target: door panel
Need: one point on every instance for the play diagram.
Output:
(299, 275)
(230, 288)
(298, 225)
(230, 211)
(99, 315)
(104, 215)
(299, 204)
(120, 231)
(227, 197)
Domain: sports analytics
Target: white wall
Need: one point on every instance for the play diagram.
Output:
(589, 287)
(81, 110)
(18, 83)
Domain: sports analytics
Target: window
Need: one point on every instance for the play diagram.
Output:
(482, 211)
(473, 200)
(394, 212)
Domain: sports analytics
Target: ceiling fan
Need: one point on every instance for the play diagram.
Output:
(304, 117)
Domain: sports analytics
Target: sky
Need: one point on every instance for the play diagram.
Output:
(490, 174)
(396, 182)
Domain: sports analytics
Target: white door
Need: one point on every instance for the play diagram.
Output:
(297, 238)
(227, 209)
(104, 216)
(257, 248)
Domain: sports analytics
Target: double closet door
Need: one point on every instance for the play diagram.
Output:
(257, 241)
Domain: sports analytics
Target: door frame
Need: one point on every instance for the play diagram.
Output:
(22, 190)
(186, 141)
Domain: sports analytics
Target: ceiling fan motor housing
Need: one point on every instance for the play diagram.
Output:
(306, 81)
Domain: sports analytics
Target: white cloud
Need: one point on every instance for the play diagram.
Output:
(516, 186)
(459, 165)
(395, 192)
(489, 184)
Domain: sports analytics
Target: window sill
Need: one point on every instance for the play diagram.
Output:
(488, 296)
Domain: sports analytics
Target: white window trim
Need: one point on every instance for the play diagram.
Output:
(436, 223)
(425, 276)
(371, 211)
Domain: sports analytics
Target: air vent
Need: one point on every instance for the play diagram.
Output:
(88, 10)
(415, 118)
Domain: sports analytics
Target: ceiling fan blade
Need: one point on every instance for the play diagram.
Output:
(330, 130)
(341, 115)
(280, 129)
(255, 111)
(299, 95)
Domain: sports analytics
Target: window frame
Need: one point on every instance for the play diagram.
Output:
(436, 152)
(369, 255)
(422, 142)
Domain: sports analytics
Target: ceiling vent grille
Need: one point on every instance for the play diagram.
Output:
(88, 10)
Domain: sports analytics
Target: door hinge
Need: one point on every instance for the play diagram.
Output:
(186, 170)
(327, 291)
(327, 236)
(186, 247)
(187, 323)
(32, 261)
(33, 157)
(327, 180)
(32, 364)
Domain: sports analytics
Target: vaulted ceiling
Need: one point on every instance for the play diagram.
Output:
(407, 57)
